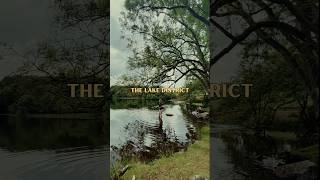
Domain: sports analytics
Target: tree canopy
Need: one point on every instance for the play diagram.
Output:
(169, 39)
(290, 27)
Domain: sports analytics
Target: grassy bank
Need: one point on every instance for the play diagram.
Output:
(194, 161)
(311, 153)
(306, 153)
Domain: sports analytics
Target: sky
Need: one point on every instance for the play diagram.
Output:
(22, 23)
(119, 52)
(224, 70)
(228, 66)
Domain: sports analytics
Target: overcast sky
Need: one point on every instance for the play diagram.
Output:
(224, 70)
(119, 52)
(227, 67)
(22, 24)
(118, 47)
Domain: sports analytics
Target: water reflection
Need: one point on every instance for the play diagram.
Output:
(239, 154)
(50, 148)
(139, 132)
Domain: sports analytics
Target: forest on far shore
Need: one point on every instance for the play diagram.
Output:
(39, 94)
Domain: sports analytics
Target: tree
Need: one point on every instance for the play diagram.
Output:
(289, 27)
(78, 46)
(80, 49)
(274, 87)
(77, 51)
(173, 41)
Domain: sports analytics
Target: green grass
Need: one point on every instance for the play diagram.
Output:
(194, 161)
(310, 152)
(285, 136)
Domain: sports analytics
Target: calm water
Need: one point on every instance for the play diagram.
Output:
(51, 149)
(140, 128)
(240, 155)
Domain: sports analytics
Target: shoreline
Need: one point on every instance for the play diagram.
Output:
(58, 116)
(194, 161)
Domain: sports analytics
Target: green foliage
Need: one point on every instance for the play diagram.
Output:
(197, 93)
(288, 34)
(124, 92)
(274, 86)
(310, 152)
(174, 39)
(103, 6)
(33, 94)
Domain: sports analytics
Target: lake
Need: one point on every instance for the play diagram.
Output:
(53, 148)
(76, 146)
(136, 130)
(239, 154)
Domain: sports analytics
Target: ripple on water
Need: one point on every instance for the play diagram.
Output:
(140, 132)
(79, 163)
(127, 123)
